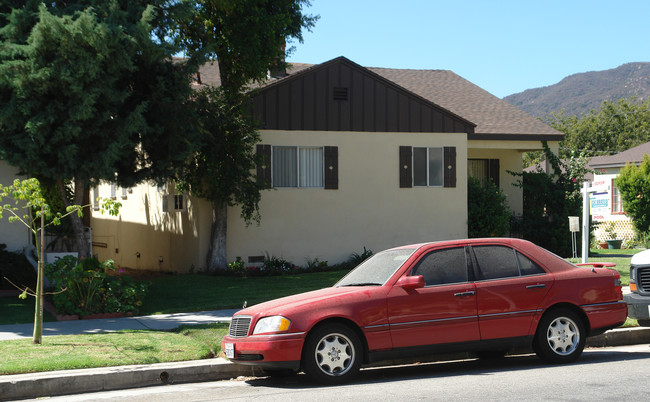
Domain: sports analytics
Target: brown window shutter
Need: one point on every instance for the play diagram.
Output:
(450, 166)
(405, 167)
(493, 171)
(264, 165)
(331, 168)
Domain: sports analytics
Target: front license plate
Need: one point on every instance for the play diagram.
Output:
(230, 350)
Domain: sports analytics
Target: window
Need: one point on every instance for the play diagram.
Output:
(484, 169)
(95, 199)
(617, 203)
(495, 262)
(297, 167)
(443, 266)
(527, 266)
(427, 167)
(178, 202)
(432, 167)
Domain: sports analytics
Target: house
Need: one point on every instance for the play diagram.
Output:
(606, 203)
(354, 157)
(14, 235)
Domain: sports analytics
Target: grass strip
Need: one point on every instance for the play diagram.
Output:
(68, 352)
(176, 293)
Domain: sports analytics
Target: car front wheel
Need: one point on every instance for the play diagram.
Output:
(332, 354)
(560, 336)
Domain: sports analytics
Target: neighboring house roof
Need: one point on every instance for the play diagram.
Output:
(633, 156)
(495, 119)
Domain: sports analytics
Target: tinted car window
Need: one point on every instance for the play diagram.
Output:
(527, 266)
(495, 262)
(443, 266)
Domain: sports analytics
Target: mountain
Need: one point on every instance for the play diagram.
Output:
(579, 93)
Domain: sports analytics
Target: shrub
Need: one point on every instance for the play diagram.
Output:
(633, 182)
(89, 290)
(356, 258)
(15, 267)
(276, 266)
(488, 213)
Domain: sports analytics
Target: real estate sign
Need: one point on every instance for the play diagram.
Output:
(599, 206)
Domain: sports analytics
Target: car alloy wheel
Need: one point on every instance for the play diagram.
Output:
(332, 354)
(560, 336)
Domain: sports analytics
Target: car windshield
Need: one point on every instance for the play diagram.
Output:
(377, 269)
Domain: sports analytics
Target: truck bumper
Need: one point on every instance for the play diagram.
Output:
(638, 307)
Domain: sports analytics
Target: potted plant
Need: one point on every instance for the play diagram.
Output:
(612, 241)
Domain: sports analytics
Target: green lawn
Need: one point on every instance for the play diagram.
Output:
(17, 311)
(68, 352)
(176, 293)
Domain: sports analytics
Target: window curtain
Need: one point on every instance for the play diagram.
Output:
(435, 166)
(311, 167)
(285, 167)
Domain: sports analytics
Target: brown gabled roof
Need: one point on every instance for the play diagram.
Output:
(633, 156)
(495, 119)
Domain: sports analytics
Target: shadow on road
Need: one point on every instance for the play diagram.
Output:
(452, 368)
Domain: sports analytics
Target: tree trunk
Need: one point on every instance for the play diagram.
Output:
(38, 308)
(80, 243)
(217, 252)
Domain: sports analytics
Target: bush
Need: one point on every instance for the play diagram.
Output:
(488, 213)
(89, 290)
(633, 182)
(15, 267)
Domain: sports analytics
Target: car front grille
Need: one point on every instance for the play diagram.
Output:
(239, 326)
(643, 279)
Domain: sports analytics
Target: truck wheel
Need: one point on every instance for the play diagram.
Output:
(644, 323)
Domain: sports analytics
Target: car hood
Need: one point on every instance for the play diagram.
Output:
(303, 301)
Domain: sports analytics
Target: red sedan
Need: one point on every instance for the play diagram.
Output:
(479, 295)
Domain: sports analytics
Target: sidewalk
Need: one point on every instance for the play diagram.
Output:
(156, 322)
(36, 385)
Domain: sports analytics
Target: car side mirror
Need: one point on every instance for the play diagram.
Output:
(411, 282)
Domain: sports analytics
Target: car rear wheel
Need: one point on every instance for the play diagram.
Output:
(560, 336)
(332, 354)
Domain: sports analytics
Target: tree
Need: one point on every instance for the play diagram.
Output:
(31, 210)
(618, 126)
(633, 182)
(488, 214)
(247, 38)
(89, 92)
(549, 199)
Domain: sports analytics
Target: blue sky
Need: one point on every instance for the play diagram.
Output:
(503, 46)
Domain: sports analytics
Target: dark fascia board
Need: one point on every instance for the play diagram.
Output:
(515, 137)
(345, 60)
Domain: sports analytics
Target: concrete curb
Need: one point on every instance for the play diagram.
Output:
(35, 385)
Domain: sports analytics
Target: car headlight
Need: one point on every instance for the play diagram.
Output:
(275, 323)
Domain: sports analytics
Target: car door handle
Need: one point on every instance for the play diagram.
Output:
(538, 286)
(461, 294)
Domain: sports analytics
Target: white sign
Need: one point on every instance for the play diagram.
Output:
(600, 185)
(599, 206)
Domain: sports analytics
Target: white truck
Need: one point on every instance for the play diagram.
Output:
(638, 300)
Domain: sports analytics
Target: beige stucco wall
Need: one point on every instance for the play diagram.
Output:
(368, 210)
(14, 235)
(146, 238)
